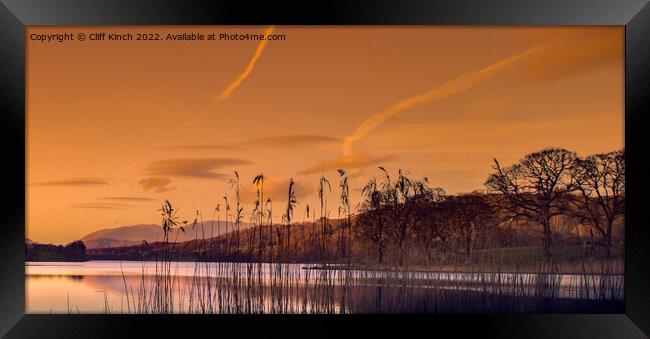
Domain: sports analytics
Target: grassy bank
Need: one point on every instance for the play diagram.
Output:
(567, 259)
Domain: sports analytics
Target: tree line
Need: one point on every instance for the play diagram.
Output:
(403, 215)
(553, 182)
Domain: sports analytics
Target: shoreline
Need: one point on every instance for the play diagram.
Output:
(341, 267)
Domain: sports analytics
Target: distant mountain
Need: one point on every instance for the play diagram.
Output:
(299, 243)
(108, 243)
(135, 234)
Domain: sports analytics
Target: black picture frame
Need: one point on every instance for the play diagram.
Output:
(16, 15)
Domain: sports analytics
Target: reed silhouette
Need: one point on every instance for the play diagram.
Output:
(407, 248)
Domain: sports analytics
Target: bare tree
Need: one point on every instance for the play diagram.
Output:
(534, 187)
(467, 216)
(600, 198)
(429, 224)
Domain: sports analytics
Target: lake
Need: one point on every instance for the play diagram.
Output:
(140, 287)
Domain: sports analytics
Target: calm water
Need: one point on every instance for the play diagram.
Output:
(98, 286)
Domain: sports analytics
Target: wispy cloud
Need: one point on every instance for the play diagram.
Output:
(352, 161)
(360, 173)
(203, 146)
(446, 89)
(193, 167)
(127, 198)
(572, 55)
(277, 189)
(288, 140)
(157, 184)
(75, 182)
(562, 57)
(294, 140)
(104, 206)
(249, 68)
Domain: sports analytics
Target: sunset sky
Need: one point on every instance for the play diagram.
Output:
(116, 127)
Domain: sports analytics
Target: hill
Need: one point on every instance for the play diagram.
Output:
(304, 245)
(134, 234)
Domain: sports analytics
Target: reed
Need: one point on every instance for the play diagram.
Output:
(265, 281)
(374, 261)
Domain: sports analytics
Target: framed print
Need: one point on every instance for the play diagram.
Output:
(172, 169)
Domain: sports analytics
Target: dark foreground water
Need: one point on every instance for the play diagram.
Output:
(142, 287)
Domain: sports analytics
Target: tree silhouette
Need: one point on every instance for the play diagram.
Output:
(371, 220)
(534, 187)
(467, 215)
(600, 182)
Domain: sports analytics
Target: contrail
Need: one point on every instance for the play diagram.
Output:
(447, 89)
(258, 53)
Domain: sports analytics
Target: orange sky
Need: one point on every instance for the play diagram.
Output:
(116, 127)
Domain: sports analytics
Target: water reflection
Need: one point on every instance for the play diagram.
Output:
(131, 287)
